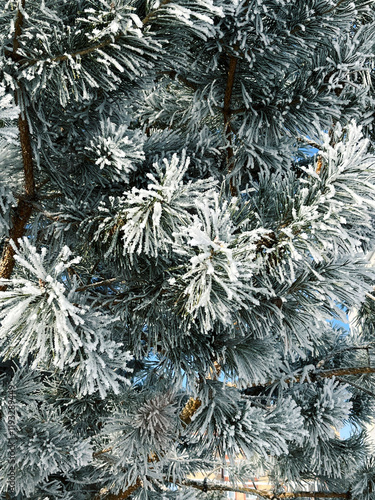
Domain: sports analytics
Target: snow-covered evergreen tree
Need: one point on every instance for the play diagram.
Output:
(187, 198)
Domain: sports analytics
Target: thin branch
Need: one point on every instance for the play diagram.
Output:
(338, 372)
(40, 209)
(309, 142)
(101, 452)
(97, 284)
(50, 196)
(315, 375)
(219, 486)
(334, 372)
(206, 485)
(345, 381)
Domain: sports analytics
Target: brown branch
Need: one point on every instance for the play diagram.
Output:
(25, 140)
(220, 486)
(217, 486)
(334, 372)
(23, 210)
(19, 221)
(339, 372)
(228, 131)
(101, 452)
(18, 29)
(124, 494)
(313, 376)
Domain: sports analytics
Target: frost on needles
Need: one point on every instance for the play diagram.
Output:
(187, 203)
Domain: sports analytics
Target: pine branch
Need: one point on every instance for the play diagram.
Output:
(24, 209)
(151, 14)
(173, 74)
(331, 9)
(87, 50)
(186, 414)
(365, 347)
(334, 7)
(65, 57)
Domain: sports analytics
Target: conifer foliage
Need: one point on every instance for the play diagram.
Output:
(187, 203)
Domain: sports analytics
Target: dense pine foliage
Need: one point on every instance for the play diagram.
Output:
(187, 203)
